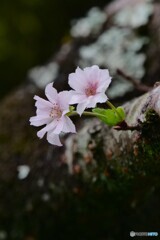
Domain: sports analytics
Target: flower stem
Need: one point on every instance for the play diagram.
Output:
(121, 126)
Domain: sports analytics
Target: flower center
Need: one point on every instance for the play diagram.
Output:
(91, 90)
(55, 111)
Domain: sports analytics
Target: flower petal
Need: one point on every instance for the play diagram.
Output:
(59, 126)
(91, 103)
(100, 98)
(81, 107)
(92, 73)
(104, 80)
(53, 138)
(42, 132)
(51, 93)
(64, 99)
(39, 120)
(77, 97)
(77, 80)
(42, 103)
(103, 86)
(68, 125)
(99, 76)
(93, 100)
(49, 127)
(43, 112)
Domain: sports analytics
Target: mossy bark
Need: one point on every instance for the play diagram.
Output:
(118, 143)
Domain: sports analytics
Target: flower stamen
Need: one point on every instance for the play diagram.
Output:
(91, 90)
(55, 112)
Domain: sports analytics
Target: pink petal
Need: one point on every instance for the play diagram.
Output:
(42, 103)
(68, 125)
(77, 97)
(81, 107)
(101, 76)
(92, 73)
(59, 126)
(51, 93)
(42, 132)
(49, 127)
(100, 98)
(93, 100)
(77, 80)
(104, 81)
(39, 120)
(53, 139)
(64, 99)
(43, 112)
(91, 103)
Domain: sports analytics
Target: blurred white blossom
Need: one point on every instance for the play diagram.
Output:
(42, 75)
(116, 48)
(134, 15)
(91, 24)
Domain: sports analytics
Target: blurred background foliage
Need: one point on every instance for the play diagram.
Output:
(31, 31)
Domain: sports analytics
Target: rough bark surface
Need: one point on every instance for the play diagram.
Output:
(116, 143)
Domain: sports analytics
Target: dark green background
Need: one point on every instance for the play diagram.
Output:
(31, 31)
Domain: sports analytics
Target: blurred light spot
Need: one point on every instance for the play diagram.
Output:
(90, 24)
(3, 235)
(40, 182)
(45, 197)
(43, 75)
(23, 171)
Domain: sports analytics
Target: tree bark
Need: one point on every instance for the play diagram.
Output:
(117, 144)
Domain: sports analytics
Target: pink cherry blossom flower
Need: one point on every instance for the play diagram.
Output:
(89, 87)
(52, 113)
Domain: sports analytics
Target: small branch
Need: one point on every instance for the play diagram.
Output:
(140, 87)
(124, 126)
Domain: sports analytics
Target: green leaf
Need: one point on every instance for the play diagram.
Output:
(110, 117)
(121, 112)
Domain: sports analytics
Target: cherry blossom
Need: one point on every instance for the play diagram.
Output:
(52, 113)
(89, 87)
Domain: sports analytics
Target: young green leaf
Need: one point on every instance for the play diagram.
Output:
(121, 112)
(110, 116)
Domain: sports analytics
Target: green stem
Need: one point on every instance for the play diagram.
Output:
(85, 113)
(113, 107)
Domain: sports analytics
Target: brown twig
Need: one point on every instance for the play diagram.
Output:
(124, 126)
(139, 86)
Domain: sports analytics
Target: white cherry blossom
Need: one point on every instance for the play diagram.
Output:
(52, 113)
(89, 87)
